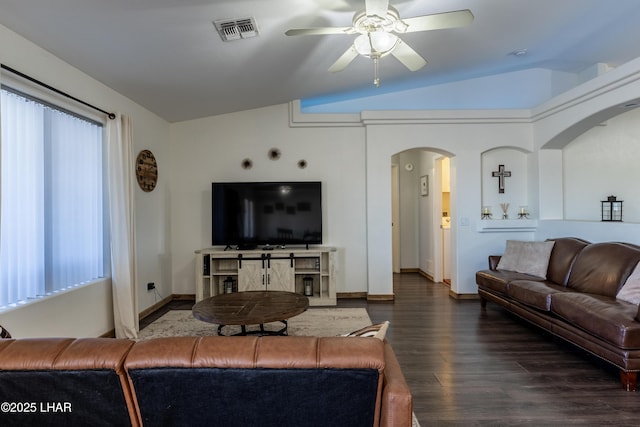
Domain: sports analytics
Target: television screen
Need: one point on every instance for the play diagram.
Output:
(248, 214)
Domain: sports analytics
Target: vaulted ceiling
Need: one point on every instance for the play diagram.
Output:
(168, 56)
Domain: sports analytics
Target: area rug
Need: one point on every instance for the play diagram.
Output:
(318, 322)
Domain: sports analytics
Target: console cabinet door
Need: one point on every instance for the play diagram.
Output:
(251, 276)
(280, 276)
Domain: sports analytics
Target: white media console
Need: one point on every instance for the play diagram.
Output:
(264, 270)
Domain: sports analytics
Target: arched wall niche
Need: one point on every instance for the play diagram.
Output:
(567, 118)
(515, 163)
(601, 162)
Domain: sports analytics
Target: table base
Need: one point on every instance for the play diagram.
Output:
(259, 332)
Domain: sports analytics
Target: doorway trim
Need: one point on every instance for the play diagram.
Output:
(436, 226)
(395, 217)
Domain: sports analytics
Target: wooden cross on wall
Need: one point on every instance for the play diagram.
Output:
(501, 174)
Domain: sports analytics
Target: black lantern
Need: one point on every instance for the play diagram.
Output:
(229, 285)
(611, 209)
(307, 281)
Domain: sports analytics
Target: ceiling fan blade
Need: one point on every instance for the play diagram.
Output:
(319, 31)
(409, 57)
(344, 60)
(439, 21)
(376, 8)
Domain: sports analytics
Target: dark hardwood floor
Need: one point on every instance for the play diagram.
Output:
(472, 367)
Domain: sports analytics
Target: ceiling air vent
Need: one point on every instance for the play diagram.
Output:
(236, 29)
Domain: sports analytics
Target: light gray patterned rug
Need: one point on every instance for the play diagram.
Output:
(320, 322)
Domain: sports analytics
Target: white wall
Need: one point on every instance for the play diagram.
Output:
(85, 311)
(410, 219)
(592, 231)
(212, 149)
(88, 311)
(466, 137)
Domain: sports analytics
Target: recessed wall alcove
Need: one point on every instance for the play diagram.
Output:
(516, 183)
(601, 162)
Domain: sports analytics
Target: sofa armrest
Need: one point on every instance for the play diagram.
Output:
(397, 402)
(493, 262)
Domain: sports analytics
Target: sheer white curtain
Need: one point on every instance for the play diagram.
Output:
(122, 226)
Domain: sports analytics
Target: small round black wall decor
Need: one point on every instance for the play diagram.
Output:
(146, 170)
(247, 164)
(274, 154)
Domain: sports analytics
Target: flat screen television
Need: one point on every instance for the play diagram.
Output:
(252, 214)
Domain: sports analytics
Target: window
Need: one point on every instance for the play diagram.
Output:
(52, 219)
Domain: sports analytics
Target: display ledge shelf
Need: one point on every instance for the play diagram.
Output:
(503, 225)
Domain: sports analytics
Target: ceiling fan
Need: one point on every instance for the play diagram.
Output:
(376, 26)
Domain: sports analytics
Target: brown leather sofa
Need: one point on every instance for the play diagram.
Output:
(577, 300)
(230, 381)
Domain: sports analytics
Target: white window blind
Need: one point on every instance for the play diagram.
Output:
(51, 206)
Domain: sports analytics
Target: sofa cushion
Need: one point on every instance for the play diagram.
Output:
(527, 257)
(497, 281)
(604, 317)
(533, 293)
(602, 268)
(630, 291)
(563, 255)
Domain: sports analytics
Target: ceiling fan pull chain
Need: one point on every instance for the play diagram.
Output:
(376, 77)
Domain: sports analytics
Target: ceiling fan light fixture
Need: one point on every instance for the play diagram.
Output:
(376, 44)
(376, 28)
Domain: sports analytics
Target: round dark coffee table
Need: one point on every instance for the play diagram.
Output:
(251, 308)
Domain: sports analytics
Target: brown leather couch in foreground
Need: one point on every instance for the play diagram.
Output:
(577, 300)
(189, 381)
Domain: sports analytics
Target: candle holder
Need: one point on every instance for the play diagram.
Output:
(486, 213)
(504, 207)
(229, 285)
(523, 212)
(307, 282)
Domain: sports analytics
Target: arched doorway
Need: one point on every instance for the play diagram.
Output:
(420, 198)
